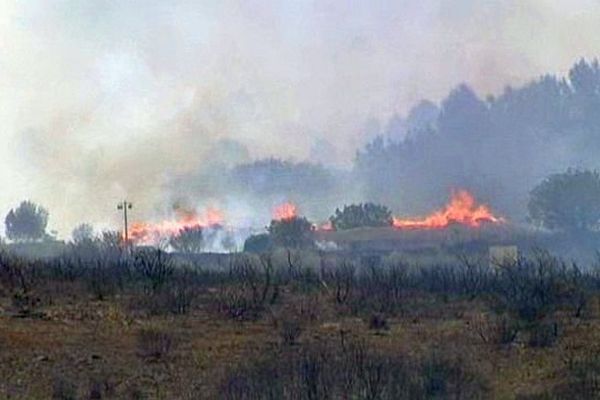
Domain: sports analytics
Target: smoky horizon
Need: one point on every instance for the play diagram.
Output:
(243, 106)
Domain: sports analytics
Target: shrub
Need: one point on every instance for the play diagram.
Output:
(583, 378)
(361, 215)
(154, 266)
(251, 287)
(101, 280)
(543, 334)
(154, 344)
(101, 386)
(348, 370)
(295, 232)
(444, 377)
(258, 243)
(181, 293)
(500, 330)
(289, 331)
(63, 389)
(532, 289)
(378, 322)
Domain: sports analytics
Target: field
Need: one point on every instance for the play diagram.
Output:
(296, 324)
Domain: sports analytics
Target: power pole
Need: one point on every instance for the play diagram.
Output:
(125, 205)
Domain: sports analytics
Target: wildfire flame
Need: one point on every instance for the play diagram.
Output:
(146, 233)
(285, 211)
(462, 209)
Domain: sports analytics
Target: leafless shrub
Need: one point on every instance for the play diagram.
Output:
(445, 377)
(154, 344)
(289, 331)
(15, 274)
(19, 279)
(583, 377)
(63, 389)
(474, 276)
(380, 289)
(181, 293)
(543, 334)
(498, 330)
(154, 266)
(378, 322)
(101, 387)
(342, 279)
(102, 280)
(350, 370)
(532, 289)
(250, 289)
(95, 391)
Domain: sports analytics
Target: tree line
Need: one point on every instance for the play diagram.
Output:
(567, 201)
(499, 146)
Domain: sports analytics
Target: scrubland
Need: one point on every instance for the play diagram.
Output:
(295, 324)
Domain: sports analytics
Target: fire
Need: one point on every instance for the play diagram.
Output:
(146, 233)
(462, 209)
(285, 211)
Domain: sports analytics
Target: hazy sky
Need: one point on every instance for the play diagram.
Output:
(101, 100)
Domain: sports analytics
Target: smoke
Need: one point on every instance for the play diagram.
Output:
(105, 100)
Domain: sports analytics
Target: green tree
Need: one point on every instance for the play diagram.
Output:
(259, 243)
(361, 215)
(294, 232)
(27, 222)
(567, 201)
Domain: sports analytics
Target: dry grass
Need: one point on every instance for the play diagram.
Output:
(79, 346)
(100, 344)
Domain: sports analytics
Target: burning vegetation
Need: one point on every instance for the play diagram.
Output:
(148, 233)
(462, 209)
(285, 211)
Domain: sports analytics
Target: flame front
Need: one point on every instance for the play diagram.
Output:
(285, 211)
(462, 209)
(148, 233)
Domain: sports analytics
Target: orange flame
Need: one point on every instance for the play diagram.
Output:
(147, 233)
(462, 209)
(285, 211)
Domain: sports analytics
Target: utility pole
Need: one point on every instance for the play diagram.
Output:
(125, 205)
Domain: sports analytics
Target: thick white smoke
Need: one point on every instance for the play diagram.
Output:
(105, 100)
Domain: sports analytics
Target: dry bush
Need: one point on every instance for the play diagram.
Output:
(378, 322)
(154, 344)
(250, 287)
(154, 266)
(63, 389)
(543, 334)
(176, 297)
(348, 370)
(583, 378)
(289, 331)
(496, 329)
(580, 379)
(532, 289)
